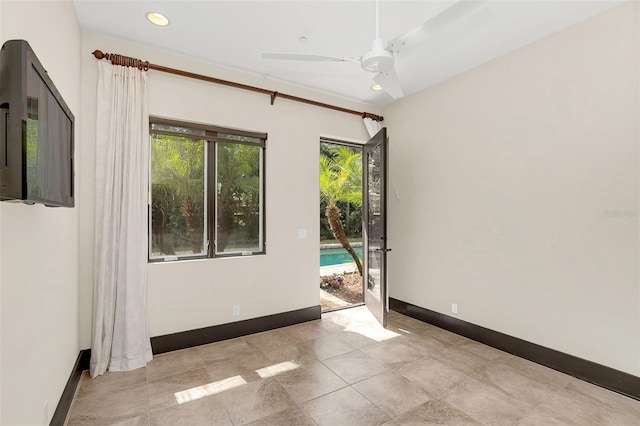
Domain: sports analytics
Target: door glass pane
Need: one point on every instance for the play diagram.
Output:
(238, 190)
(178, 214)
(375, 226)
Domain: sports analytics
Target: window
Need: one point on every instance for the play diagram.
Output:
(207, 191)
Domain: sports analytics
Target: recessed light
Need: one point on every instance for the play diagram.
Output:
(158, 19)
(302, 39)
(376, 87)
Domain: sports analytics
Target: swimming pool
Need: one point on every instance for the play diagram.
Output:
(337, 256)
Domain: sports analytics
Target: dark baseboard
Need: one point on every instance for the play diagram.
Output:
(216, 333)
(64, 405)
(606, 377)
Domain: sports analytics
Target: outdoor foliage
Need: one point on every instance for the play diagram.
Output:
(238, 193)
(177, 194)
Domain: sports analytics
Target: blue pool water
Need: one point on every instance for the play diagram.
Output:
(337, 256)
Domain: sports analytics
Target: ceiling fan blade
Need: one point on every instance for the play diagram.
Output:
(305, 57)
(416, 36)
(390, 83)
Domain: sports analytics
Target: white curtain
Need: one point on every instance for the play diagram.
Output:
(120, 338)
(372, 126)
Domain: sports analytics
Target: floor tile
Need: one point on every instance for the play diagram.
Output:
(574, 408)
(445, 336)
(539, 373)
(609, 398)
(248, 367)
(462, 360)
(410, 323)
(436, 413)
(111, 382)
(306, 331)
(232, 358)
(297, 353)
(485, 351)
(310, 381)
(355, 366)
(294, 416)
(277, 347)
(423, 344)
(255, 400)
(123, 407)
(171, 363)
(392, 393)
(141, 420)
(224, 351)
(327, 346)
(432, 376)
(393, 353)
(408, 326)
(344, 407)
(366, 337)
(346, 370)
(486, 404)
(268, 340)
(173, 390)
(207, 411)
(512, 383)
(329, 325)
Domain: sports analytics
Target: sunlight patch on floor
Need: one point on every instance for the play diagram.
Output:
(213, 388)
(378, 334)
(209, 389)
(274, 370)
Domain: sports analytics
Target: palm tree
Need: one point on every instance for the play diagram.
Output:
(341, 181)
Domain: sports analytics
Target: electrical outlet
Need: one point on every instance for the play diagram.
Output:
(454, 308)
(235, 311)
(45, 413)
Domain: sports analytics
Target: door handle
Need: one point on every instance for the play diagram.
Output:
(384, 250)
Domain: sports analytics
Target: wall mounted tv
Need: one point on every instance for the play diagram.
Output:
(37, 132)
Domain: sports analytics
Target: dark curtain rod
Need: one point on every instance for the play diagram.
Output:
(127, 61)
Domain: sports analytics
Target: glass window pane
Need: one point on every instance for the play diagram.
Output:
(239, 138)
(178, 213)
(186, 131)
(238, 185)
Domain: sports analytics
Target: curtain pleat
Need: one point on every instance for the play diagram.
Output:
(120, 337)
(372, 126)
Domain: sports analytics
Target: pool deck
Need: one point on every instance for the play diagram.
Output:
(338, 269)
(328, 301)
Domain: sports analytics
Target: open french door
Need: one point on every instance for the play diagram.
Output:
(374, 218)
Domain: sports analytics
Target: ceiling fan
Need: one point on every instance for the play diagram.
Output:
(380, 59)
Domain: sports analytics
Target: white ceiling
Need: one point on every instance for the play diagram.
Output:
(235, 33)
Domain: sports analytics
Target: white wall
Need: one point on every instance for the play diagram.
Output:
(518, 193)
(39, 245)
(193, 294)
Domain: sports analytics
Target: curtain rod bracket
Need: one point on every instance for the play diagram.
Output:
(274, 95)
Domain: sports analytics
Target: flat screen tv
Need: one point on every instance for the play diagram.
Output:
(36, 132)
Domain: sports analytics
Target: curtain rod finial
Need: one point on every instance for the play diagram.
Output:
(98, 54)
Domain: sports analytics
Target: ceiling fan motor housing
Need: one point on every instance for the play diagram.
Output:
(377, 61)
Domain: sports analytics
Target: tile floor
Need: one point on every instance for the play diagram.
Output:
(347, 370)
